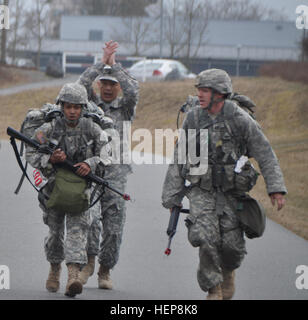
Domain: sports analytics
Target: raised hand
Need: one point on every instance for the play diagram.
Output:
(109, 52)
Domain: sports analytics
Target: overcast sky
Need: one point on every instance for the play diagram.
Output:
(288, 6)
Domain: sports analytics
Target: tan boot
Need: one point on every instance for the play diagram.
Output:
(53, 281)
(74, 286)
(104, 281)
(88, 270)
(215, 293)
(228, 286)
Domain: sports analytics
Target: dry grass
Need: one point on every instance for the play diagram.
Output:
(281, 111)
(11, 76)
(287, 70)
(13, 108)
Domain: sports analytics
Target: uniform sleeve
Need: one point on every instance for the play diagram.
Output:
(101, 150)
(36, 159)
(89, 75)
(260, 149)
(174, 184)
(130, 88)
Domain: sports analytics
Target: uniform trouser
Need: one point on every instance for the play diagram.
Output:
(110, 223)
(219, 236)
(71, 248)
(95, 229)
(113, 219)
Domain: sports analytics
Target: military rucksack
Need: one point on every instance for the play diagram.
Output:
(37, 117)
(242, 101)
(33, 120)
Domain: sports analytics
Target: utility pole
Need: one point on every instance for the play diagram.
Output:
(161, 28)
(238, 60)
(304, 38)
(4, 39)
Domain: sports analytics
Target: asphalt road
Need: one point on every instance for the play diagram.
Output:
(143, 272)
(38, 85)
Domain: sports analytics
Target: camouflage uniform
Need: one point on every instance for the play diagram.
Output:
(82, 143)
(95, 211)
(212, 224)
(113, 206)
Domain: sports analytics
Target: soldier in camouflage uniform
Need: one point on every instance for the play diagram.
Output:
(212, 224)
(112, 78)
(83, 142)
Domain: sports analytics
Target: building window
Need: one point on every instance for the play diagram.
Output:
(95, 35)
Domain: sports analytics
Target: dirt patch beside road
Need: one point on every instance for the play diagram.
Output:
(11, 76)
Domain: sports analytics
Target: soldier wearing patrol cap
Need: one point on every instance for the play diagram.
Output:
(112, 79)
(215, 194)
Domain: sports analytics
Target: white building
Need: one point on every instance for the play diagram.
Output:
(257, 40)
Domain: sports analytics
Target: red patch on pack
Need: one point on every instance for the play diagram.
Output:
(41, 137)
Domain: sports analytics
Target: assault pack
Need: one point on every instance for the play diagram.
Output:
(241, 100)
(37, 117)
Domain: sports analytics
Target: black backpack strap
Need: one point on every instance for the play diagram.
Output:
(21, 151)
(232, 127)
(13, 143)
(22, 178)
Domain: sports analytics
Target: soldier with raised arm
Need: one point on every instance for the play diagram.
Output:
(112, 79)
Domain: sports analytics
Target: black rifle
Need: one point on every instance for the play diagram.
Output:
(48, 149)
(173, 221)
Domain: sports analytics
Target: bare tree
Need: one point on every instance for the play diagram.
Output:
(174, 29)
(186, 23)
(242, 10)
(137, 32)
(187, 20)
(37, 23)
(4, 39)
(123, 8)
(304, 47)
(16, 15)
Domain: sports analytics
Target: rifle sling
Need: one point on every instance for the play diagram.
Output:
(13, 143)
(93, 194)
(22, 178)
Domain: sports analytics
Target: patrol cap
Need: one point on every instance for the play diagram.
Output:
(216, 79)
(107, 75)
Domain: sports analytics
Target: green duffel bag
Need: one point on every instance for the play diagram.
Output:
(252, 216)
(68, 194)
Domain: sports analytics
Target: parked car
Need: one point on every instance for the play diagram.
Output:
(160, 69)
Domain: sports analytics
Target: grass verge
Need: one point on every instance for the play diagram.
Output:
(281, 111)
